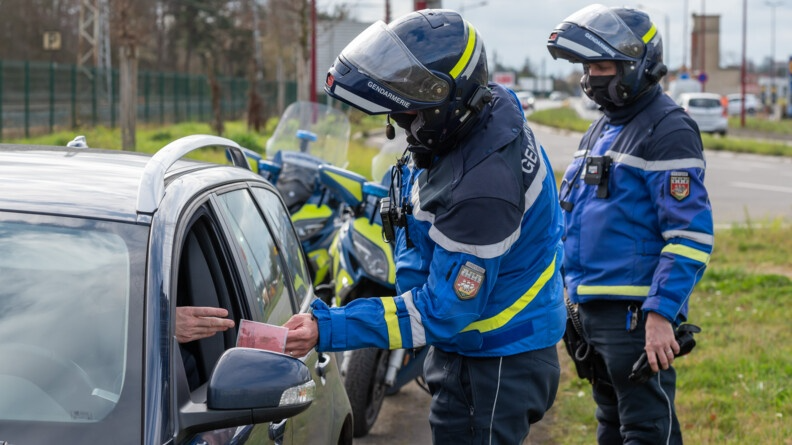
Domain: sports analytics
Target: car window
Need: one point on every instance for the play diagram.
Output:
(271, 301)
(284, 231)
(704, 103)
(205, 280)
(64, 305)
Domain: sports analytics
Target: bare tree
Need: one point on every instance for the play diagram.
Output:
(126, 19)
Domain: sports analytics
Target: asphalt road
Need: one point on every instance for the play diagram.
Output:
(742, 188)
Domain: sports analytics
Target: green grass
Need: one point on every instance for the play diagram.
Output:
(149, 139)
(568, 119)
(735, 387)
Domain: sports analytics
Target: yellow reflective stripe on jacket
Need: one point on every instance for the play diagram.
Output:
(628, 291)
(500, 320)
(392, 320)
(687, 252)
(465, 59)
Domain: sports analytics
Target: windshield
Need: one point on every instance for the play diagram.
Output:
(312, 128)
(64, 305)
(390, 152)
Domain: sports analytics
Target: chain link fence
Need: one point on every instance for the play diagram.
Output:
(40, 97)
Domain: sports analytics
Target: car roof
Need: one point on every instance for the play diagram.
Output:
(700, 96)
(76, 181)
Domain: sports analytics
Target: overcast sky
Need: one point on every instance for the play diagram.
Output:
(516, 30)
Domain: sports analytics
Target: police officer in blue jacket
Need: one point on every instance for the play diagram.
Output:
(477, 232)
(638, 233)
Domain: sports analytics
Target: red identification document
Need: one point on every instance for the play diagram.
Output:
(270, 337)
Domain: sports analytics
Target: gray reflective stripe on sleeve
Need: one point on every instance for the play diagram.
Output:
(536, 187)
(359, 101)
(580, 153)
(418, 333)
(488, 251)
(703, 238)
(643, 164)
(485, 252)
(481, 251)
(418, 214)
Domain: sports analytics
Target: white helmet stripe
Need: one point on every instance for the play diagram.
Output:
(359, 102)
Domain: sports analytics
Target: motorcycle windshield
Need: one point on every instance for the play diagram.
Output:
(312, 128)
(389, 153)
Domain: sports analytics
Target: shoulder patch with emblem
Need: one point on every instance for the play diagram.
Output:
(679, 185)
(468, 281)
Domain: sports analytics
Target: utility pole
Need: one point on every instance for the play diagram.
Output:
(93, 45)
(773, 89)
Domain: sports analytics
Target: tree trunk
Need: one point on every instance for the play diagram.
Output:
(216, 92)
(128, 74)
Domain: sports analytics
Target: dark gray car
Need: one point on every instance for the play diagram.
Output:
(97, 249)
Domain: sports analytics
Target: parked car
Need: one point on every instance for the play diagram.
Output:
(527, 100)
(97, 249)
(735, 104)
(558, 96)
(707, 110)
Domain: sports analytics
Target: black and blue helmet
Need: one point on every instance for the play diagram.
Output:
(623, 35)
(431, 62)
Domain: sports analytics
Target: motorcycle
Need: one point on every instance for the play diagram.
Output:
(363, 266)
(309, 135)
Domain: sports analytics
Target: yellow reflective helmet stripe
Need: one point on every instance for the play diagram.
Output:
(507, 314)
(649, 34)
(465, 58)
(687, 252)
(628, 291)
(392, 320)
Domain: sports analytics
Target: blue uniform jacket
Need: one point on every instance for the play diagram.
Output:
(651, 238)
(481, 274)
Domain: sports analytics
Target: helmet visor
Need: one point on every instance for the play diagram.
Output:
(608, 26)
(380, 54)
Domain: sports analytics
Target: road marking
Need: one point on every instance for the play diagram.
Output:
(767, 188)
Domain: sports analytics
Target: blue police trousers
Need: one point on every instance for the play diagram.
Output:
(628, 413)
(489, 400)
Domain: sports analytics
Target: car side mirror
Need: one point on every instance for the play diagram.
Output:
(249, 386)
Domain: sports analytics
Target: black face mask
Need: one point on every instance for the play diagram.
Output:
(403, 120)
(599, 87)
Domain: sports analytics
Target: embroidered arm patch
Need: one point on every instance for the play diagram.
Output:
(468, 281)
(679, 185)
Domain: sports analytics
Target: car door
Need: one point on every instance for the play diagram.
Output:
(278, 279)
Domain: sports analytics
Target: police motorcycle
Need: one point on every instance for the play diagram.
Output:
(363, 266)
(308, 136)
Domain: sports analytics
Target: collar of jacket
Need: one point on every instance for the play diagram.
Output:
(497, 125)
(624, 114)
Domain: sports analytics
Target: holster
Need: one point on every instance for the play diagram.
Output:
(579, 350)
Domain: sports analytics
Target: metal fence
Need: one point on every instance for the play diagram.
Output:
(41, 97)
